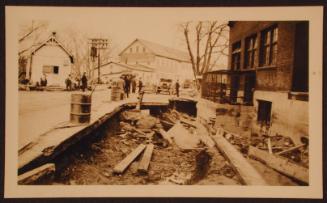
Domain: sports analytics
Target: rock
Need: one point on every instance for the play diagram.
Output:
(132, 115)
(146, 122)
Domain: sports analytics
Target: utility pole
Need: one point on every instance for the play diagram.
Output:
(96, 45)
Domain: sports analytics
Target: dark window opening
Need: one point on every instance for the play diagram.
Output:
(236, 56)
(300, 68)
(268, 49)
(264, 112)
(55, 69)
(250, 51)
(249, 85)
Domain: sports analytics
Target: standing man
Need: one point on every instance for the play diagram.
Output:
(140, 85)
(133, 85)
(84, 81)
(177, 88)
(127, 84)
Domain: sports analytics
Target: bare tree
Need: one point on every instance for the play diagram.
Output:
(206, 42)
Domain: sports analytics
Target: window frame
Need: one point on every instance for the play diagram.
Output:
(268, 47)
(250, 51)
(236, 53)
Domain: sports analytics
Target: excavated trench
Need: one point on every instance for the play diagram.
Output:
(91, 161)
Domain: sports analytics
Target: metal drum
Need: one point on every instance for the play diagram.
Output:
(80, 108)
(117, 90)
(115, 93)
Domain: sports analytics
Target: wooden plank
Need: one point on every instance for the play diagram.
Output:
(166, 136)
(145, 161)
(269, 145)
(32, 176)
(121, 166)
(247, 173)
(290, 149)
(190, 123)
(280, 164)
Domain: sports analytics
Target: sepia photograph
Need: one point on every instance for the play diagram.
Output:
(164, 101)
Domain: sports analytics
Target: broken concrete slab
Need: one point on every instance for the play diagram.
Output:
(182, 137)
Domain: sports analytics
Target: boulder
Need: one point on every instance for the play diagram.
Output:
(146, 122)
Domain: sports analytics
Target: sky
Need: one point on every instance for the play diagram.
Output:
(122, 25)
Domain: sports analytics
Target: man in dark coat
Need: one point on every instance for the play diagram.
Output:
(177, 88)
(127, 84)
(133, 86)
(140, 85)
(84, 82)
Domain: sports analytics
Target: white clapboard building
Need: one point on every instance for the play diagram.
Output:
(49, 58)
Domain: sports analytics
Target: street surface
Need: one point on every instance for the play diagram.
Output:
(39, 112)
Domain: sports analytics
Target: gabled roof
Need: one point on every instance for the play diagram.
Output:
(161, 50)
(138, 67)
(52, 39)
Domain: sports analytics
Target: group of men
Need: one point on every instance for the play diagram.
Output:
(71, 84)
(130, 83)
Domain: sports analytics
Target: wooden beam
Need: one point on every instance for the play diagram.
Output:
(121, 166)
(290, 149)
(246, 172)
(280, 164)
(190, 123)
(32, 176)
(145, 161)
(166, 136)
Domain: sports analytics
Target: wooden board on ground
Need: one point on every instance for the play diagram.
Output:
(280, 164)
(202, 132)
(121, 166)
(34, 175)
(146, 158)
(247, 173)
(166, 136)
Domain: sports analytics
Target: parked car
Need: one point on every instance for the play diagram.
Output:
(164, 86)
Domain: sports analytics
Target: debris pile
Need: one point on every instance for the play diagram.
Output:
(169, 149)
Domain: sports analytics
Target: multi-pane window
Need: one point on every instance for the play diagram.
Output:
(50, 69)
(236, 56)
(250, 51)
(269, 40)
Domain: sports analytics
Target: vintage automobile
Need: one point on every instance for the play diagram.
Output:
(164, 86)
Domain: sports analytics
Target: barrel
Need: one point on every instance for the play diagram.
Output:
(80, 108)
(115, 93)
(117, 90)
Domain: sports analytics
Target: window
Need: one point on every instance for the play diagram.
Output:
(144, 49)
(50, 69)
(55, 69)
(269, 40)
(236, 56)
(264, 112)
(250, 51)
(131, 50)
(137, 49)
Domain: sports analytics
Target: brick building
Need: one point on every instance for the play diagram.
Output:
(271, 62)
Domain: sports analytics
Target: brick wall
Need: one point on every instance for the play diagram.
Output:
(277, 77)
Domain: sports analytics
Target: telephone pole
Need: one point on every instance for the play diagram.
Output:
(96, 45)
